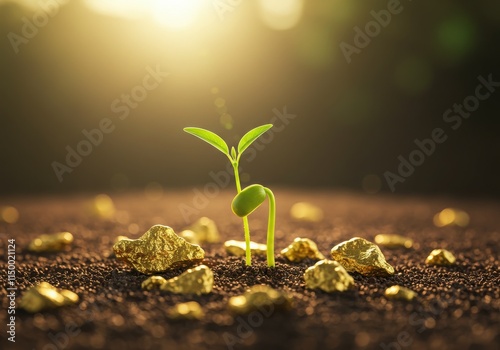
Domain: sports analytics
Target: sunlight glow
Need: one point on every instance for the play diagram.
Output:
(175, 14)
(281, 14)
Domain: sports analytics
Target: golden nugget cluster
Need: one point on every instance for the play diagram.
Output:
(161, 250)
(45, 296)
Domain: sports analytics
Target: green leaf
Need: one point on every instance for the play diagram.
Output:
(249, 199)
(251, 136)
(209, 137)
(233, 153)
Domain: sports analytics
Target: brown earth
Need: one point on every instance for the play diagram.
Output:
(457, 308)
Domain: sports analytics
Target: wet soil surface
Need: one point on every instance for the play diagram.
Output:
(458, 307)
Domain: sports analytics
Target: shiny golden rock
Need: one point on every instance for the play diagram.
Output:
(159, 249)
(45, 296)
(199, 280)
(328, 276)
(186, 311)
(50, 242)
(237, 248)
(393, 241)
(153, 282)
(440, 257)
(362, 256)
(400, 293)
(304, 211)
(302, 248)
(259, 297)
(201, 231)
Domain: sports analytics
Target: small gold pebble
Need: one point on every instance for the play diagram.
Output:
(362, 256)
(199, 280)
(9, 214)
(153, 282)
(400, 293)
(393, 241)
(186, 311)
(45, 296)
(302, 248)
(451, 216)
(190, 236)
(102, 206)
(238, 248)
(159, 249)
(304, 211)
(260, 297)
(440, 257)
(50, 242)
(201, 231)
(328, 276)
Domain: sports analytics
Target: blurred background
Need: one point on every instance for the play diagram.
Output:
(146, 69)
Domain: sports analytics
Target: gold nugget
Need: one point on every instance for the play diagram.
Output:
(153, 282)
(451, 216)
(393, 241)
(440, 257)
(328, 276)
(302, 248)
(400, 293)
(199, 280)
(102, 206)
(304, 211)
(201, 231)
(237, 248)
(362, 256)
(45, 296)
(186, 311)
(159, 249)
(50, 242)
(259, 297)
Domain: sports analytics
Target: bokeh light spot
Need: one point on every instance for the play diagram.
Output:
(455, 37)
(227, 121)
(219, 102)
(9, 214)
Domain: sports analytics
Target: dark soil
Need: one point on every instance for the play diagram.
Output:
(458, 307)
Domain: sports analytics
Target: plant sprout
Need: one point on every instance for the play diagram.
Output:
(250, 199)
(234, 157)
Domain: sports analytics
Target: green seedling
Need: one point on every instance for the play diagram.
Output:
(234, 157)
(250, 199)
